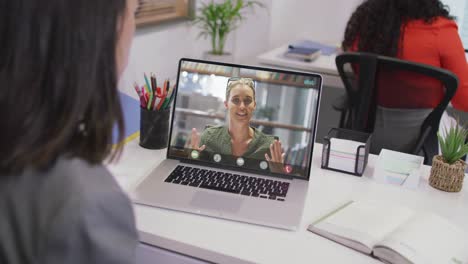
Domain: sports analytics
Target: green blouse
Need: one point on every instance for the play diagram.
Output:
(218, 140)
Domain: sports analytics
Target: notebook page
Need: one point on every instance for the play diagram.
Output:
(428, 238)
(365, 222)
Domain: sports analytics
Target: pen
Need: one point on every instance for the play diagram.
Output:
(171, 98)
(150, 98)
(146, 81)
(137, 89)
(146, 100)
(157, 98)
(154, 83)
(158, 91)
(163, 97)
(150, 91)
(144, 93)
(168, 97)
(140, 95)
(164, 89)
(154, 98)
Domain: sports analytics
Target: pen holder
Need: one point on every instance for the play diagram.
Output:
(346, 151)
(154, 126)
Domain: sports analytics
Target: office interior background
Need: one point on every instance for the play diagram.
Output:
(158, 48)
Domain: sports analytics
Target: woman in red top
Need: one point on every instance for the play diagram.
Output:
(415, 30)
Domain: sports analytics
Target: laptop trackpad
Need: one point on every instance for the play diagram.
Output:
(216, 202)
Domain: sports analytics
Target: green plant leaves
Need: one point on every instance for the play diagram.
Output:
(453, 146)
(217, 20)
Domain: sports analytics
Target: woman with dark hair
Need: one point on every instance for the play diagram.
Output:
(415, 30)
(60, 62)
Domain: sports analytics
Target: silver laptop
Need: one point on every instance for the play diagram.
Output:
(240, 144)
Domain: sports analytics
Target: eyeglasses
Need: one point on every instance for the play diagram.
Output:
(247, 81)
(237, 101)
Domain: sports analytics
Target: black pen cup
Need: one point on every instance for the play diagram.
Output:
(154, 128)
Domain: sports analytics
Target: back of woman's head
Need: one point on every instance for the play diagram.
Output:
(58, 73)
(377, 23)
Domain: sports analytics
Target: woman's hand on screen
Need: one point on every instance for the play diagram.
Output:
(277, 157)
(195, 141)
(276, 151)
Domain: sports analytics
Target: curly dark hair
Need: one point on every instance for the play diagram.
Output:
(377, 23)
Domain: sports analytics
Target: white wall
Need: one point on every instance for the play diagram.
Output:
(323, 21)
(158, 49)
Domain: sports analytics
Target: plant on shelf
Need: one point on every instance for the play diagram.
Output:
(217, 20)
(448, 170)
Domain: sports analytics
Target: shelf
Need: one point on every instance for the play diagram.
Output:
(261, 76)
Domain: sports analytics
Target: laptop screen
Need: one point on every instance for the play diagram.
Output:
(245, 118)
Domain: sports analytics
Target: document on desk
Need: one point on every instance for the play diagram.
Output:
(308, 45)
(398, 168)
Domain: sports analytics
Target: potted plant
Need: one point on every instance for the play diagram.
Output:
(448, 170)
(217, 20)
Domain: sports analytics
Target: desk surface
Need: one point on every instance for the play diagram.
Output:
(324, 65)
(223, 241)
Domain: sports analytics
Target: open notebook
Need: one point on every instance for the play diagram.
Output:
(394, 234)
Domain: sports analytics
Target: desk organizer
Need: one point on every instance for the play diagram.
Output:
(346, 151)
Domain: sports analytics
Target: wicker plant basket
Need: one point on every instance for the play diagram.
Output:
(447, 177)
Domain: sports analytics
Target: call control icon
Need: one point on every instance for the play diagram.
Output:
(217, 157)
(263, 165)
(195, 154)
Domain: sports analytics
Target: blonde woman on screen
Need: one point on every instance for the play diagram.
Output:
(238, 138)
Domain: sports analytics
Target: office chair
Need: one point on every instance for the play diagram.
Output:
(407, 127)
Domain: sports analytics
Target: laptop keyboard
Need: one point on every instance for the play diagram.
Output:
(229, 182)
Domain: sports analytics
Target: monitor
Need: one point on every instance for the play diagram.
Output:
(260, 107)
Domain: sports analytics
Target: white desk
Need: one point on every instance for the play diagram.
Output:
(324, 65)
(223, 241)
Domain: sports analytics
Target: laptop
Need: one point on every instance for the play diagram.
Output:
(262, 181)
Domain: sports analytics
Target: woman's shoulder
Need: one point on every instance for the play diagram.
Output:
(437, 23)
(264, 138)
(82, 173)
(89, 183)
(97, 208)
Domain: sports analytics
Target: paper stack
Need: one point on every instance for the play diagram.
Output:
(398, 168)
(343, 154)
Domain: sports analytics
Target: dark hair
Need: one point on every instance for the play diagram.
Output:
(58, 73)
(376, 24)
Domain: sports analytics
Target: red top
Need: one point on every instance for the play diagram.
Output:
(437, 44)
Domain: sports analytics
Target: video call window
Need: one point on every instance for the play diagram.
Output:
(279, 108)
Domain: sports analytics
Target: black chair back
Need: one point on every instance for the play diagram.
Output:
(367, 76)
